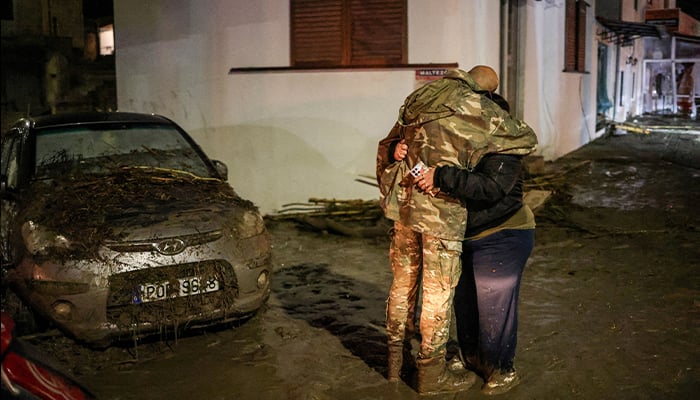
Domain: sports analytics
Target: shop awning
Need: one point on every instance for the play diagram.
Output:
(624, 33)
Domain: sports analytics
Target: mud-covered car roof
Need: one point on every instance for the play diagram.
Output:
(46, 121)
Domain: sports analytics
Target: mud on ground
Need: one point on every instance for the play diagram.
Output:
(609, 306)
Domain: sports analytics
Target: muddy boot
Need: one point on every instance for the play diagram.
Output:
(395, 362)
(500, 382)
(434, 377)
(455, 364)
(400, 360)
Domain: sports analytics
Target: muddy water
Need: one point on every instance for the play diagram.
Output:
(321, 335)
(610, 304)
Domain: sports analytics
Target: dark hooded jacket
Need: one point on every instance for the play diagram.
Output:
(445, 123)
(492, 191)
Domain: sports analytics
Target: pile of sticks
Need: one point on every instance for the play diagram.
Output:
(353, 218)
(343, 210)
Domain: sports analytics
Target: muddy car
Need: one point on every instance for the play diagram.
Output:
(117, 225)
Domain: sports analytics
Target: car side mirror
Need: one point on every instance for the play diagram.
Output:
(221, 168)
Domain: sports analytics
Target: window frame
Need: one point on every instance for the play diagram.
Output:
(402, 64)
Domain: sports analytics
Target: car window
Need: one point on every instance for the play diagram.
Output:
(103, 148)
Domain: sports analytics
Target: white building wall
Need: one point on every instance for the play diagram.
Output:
(560, 106)
(293, 135)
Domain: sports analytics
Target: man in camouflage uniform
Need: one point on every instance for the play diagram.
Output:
(446, 122)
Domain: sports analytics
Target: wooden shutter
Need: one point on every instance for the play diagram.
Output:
(348, 32)
(581, 36)
(575, 46)
(378, 32)
(317, 32)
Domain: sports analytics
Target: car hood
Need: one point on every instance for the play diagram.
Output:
(134, 204)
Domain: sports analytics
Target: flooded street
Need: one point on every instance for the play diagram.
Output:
(610, 301)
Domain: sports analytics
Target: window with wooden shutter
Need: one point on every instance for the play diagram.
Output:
(348, 32)
(575, 42)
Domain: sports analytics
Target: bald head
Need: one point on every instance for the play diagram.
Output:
(485, 76)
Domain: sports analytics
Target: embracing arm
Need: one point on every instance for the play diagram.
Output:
(384, 149)
(390, 149)
(490, 182)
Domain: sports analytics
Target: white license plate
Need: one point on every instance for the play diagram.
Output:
(188, 287)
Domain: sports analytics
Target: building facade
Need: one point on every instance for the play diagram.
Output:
(223, 69)
(650, 54)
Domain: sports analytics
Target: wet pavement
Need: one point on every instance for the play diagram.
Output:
(609, 307)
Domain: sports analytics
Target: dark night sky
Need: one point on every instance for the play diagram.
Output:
(98, 8)
(690, 7)
(105, 8)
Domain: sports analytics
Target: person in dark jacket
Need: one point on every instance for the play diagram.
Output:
(498, 242)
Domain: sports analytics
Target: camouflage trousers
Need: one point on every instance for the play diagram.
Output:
(435, 263)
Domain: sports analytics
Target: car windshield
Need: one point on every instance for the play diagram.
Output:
(100, 149)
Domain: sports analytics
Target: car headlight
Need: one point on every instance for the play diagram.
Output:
(38, 239)
(252, 224)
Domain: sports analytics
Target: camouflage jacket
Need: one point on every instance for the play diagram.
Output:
(445, 122)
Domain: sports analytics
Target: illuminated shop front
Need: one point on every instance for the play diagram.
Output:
(671, 75)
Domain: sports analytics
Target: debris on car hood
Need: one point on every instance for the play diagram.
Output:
(95, 207)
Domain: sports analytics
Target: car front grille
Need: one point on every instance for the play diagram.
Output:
(151, 245)
(124, 308)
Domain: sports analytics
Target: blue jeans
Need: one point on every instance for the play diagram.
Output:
(486, 298)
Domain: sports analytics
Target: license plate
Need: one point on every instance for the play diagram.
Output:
(190, 286)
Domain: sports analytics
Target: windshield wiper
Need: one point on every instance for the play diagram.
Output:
(170, 171)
